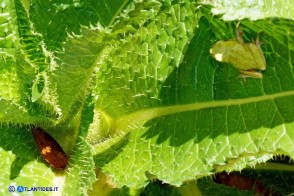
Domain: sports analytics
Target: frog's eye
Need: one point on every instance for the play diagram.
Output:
(50, 150)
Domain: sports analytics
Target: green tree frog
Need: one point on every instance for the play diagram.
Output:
(246, 57)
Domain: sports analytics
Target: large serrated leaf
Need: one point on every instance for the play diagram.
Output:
(208, 119)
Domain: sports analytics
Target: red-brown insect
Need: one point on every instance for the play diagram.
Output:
(50, 149)
(243, 183)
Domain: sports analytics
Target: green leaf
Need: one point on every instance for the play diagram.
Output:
(202, 118)
(254, 10)
(22, 165)
(81, 172)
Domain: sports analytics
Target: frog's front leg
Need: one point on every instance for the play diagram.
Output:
(258, 43)
(239, 33)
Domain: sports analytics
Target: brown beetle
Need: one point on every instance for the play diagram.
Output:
(50, 150)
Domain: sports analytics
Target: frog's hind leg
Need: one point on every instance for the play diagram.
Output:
(250, 74)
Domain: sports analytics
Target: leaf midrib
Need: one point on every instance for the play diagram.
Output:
(143, 116)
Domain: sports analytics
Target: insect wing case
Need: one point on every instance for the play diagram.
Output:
(50, 150)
